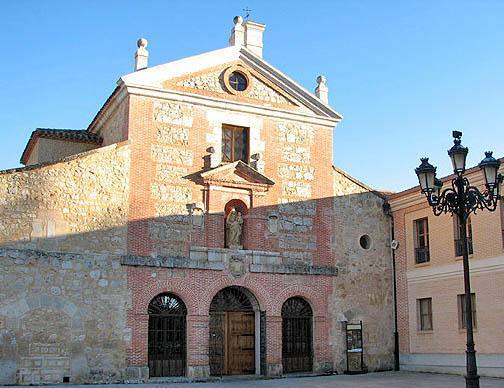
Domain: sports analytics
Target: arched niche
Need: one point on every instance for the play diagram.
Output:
(241, 210)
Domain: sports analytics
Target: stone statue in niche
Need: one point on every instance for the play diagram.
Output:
(234, 229)
(273, 223)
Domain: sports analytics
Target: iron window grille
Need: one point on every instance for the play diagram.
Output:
(297, 341)
(167, 336)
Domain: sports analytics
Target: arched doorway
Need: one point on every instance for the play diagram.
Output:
(232, 342)
(297, 342)
(167, 336)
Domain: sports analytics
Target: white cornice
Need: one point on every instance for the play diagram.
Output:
(477, 266)
(289, 85)
(214, 102)
(155, 76)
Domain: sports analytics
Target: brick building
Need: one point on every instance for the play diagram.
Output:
(430, 284)
(197, 227)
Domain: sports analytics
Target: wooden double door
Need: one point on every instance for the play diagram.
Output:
(232, 343)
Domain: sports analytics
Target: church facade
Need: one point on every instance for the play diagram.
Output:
(197, 227)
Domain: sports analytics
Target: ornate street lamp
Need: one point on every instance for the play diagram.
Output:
(460, 200)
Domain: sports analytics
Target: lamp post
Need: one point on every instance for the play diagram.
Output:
(460, 200)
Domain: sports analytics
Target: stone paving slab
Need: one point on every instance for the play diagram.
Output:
(371, 380)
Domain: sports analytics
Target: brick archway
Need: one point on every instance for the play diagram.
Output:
(167, 348)
(234, 334)
(238, 204)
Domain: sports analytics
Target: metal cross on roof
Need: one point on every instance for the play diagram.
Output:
(247, 11)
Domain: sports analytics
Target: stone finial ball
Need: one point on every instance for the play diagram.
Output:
(237, 20)
(142, 42)
(321, 79)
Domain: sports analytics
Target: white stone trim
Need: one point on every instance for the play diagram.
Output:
(477, 266)
(157, 74)
(220, 103)
(257, 341)
(154, 77)
(288, 85)
(229, 189)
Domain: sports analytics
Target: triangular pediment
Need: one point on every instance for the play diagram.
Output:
(212, 82)
(202, 74)
(237, 174)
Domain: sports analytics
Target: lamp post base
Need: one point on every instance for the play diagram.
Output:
(472, 381)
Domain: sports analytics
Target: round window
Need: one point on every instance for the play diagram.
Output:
(238, 81)
(365, 241)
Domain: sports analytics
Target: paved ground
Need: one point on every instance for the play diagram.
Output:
(371, 380)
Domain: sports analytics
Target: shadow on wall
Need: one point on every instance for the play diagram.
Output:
(65, 296)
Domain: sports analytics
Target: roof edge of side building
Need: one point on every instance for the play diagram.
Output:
(446, 178)
(383, 195)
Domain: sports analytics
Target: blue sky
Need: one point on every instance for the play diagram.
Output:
(404, 74)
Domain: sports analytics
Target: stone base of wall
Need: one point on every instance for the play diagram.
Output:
(198, 371)
(489, 365)
(60, 318)
(136, 374)
(322, 367)
(274, 370)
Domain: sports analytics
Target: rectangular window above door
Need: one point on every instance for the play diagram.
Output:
(235, 144)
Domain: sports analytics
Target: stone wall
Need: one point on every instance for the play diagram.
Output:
(63, 292)
(171, 227)
(114, 127)
(363, 288)
(61, 315)
(345, 184)
(296, 171)
(76, 205)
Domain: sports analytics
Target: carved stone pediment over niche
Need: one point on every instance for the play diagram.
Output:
(238, 175)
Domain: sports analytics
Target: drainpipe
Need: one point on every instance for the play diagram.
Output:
(388, 212)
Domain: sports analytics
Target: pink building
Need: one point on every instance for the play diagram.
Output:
(431, 317)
